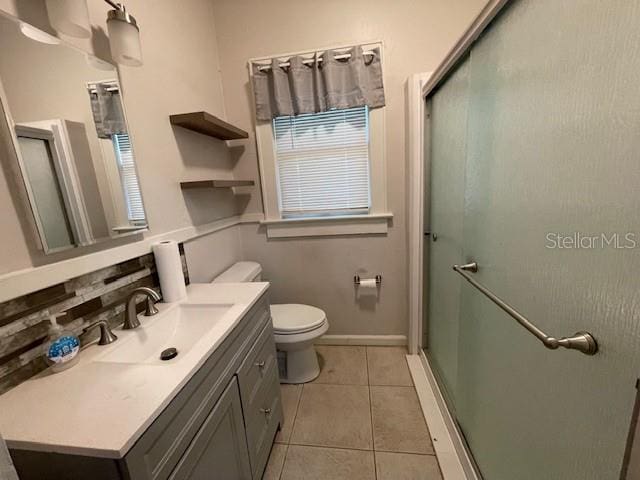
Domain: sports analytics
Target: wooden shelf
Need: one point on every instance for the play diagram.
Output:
(207, 124)
(216, 184)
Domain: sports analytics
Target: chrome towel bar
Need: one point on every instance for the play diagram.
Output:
(581, 341)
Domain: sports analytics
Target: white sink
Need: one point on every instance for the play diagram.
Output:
(180, 327)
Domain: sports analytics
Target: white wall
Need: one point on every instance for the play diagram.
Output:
(180, 74)
(210, 255)
(416, 36)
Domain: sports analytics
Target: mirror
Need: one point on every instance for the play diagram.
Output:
(73, 148)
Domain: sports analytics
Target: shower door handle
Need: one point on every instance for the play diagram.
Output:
(434, 237)
(581, 341)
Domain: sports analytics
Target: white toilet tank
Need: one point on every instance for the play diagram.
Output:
(240, 272)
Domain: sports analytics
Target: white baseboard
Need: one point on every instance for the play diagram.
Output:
(452, 457)
(379, 340)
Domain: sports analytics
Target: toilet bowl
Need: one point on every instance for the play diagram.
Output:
(296, 327)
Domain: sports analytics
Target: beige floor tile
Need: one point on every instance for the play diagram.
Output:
(404, 466)
(342, 365)
(398, 423)
(290, 399)
(388, 366)
(334, 416)
(275, 463)
(315, 463)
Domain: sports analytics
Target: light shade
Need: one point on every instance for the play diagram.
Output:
(124, 38)
(95, 62)
(70, 17)
(38, 35)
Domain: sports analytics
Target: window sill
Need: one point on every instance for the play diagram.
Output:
(375, 223)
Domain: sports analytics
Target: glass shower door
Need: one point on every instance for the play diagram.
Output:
(448, 111)
(550, 213)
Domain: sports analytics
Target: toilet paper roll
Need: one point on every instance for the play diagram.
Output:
(367, 287)
(169, 267)
(368, 283)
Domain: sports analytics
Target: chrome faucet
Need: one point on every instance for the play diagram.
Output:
(131, 315)
(106, 335)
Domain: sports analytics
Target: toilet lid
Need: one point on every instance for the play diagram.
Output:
(295, 318)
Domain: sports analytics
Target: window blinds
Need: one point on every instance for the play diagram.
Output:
(323, 163)
(129, 178)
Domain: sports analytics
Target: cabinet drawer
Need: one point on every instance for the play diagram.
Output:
(261, 419)
(254, 369)
(219, 449)
(260, 393)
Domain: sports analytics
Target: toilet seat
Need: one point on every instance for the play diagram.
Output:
(293, 318)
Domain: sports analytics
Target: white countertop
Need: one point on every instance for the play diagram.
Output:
(101, 409)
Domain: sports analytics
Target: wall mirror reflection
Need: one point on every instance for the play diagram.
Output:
(65, 112)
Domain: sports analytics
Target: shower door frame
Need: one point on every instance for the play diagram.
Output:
(420, 86)
(441, 422)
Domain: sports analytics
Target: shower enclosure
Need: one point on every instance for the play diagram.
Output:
(533, 151)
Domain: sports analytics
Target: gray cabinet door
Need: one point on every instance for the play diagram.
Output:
(260, 395)
(219, 449)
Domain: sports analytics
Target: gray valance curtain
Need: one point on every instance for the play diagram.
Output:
(106, 106)
(319, 85)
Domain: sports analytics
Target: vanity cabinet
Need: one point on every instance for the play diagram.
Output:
(220, 446)
(221, 424)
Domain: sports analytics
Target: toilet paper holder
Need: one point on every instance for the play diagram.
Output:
(356, 279)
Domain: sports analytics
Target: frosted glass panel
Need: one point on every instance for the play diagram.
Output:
(448, 111)
(535, 158)
(47, 196)
(552, 150)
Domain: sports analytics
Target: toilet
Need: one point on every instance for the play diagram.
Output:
(296, 327)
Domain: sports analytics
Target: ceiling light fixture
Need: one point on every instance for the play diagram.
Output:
(98, 64)
(38, 35)
(70, 17)
(124, 36)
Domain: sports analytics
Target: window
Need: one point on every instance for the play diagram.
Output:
(323, 173)
(129, 178)
(322, 162)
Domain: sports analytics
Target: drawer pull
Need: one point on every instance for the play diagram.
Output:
(260, 365)
(266, 411)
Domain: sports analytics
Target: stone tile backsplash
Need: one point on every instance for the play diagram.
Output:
(99, 295)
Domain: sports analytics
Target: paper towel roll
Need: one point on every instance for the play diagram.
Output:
(170, 273)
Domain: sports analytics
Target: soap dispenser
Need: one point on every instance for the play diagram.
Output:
(62, 346)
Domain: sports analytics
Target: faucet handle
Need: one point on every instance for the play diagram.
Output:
(150, 307)
(106, 335)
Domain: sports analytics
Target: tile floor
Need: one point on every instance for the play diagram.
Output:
(359, 420)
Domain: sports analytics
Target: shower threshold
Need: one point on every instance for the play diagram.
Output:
(455, 462)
